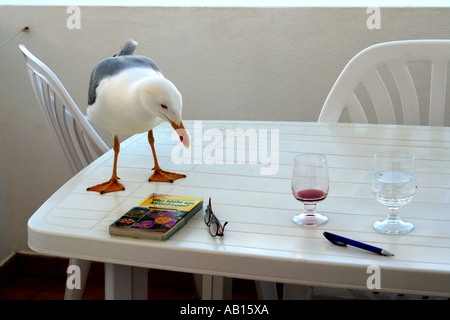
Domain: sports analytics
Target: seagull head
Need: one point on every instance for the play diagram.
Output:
(165, 102)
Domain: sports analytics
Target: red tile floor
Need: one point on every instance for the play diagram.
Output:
(29, 277)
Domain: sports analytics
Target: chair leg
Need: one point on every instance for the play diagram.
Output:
(266, 290)
(75, 293)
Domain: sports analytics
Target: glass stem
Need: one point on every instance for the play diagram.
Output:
(393, 213)
(310, 208)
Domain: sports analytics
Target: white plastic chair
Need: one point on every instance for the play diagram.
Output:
(366, 69)
(77, 139)
(75, 136)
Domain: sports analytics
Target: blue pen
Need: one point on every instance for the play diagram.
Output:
(341, 241)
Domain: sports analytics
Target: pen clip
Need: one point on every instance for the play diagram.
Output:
(333, 240)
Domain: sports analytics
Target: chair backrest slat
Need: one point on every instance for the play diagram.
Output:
(406, 90)
(438, 92)
(78, 141)
(355, 109)
(380, 97)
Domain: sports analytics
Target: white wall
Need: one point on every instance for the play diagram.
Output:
(6, 233)
(229, 63)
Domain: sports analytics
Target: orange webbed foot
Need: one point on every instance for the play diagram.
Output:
(165, 176)
(112, 185)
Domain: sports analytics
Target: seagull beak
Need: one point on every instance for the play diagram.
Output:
(182, 133)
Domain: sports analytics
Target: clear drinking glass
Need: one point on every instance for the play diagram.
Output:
(394, 185)
(310, 185)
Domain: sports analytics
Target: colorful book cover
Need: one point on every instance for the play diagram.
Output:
(157, 217)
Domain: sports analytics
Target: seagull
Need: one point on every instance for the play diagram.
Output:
(128, 94)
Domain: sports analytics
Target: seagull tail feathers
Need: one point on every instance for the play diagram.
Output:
(128, 48)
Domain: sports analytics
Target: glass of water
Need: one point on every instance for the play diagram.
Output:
(394, 185)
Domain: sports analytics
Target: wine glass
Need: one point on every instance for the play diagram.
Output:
(394, 185)
(310, 185)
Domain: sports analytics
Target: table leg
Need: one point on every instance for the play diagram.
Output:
(216, 288)
(125, 282)
(296, 292)
(266, 290)
(77, 293)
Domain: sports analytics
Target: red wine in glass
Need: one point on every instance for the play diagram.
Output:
(310, 185)
(310, 195)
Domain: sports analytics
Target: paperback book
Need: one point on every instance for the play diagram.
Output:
(157, 217)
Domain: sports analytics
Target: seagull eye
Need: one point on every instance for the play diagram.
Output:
(163, 106)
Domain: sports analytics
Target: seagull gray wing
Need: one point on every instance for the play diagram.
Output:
(114, 65)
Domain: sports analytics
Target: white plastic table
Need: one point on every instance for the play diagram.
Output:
(249, 182)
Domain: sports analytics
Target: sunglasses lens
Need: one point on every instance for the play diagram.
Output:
(213, 228)
(207, 215)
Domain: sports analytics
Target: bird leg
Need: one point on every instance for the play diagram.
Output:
(113, 184)
(160, 175)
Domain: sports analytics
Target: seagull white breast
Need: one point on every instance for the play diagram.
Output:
(118, 107)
